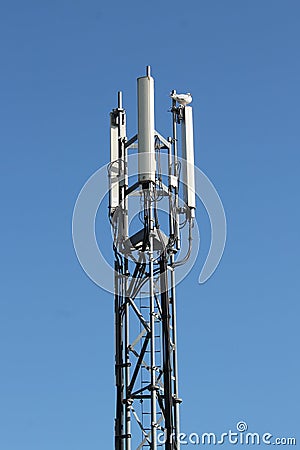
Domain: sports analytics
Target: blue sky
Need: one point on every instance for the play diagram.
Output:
(61, 66)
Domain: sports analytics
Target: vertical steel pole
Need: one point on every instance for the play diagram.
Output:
(118, 363)
(127, 376)
(127, 425)
(149, 194)
(175, 364)
(169, 445)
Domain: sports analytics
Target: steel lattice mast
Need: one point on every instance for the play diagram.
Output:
(147, 398)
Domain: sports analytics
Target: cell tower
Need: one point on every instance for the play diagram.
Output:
(147, 397)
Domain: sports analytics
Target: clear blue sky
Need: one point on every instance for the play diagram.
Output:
(62, 63)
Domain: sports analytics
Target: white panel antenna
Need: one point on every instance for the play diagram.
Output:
(188, 169)
(117, 177)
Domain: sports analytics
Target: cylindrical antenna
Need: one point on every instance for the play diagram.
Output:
(148, 71)
(120, 99)
(146, 151)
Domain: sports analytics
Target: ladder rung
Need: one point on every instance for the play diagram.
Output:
(157, 336)
(156, 351)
